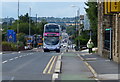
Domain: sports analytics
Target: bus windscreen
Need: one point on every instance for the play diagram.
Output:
(51, 40)
(52, 28)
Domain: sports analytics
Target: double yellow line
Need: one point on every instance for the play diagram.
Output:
(49, 66)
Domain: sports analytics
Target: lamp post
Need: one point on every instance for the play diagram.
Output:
(77, 25)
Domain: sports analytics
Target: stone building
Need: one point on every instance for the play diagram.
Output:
(108, 25)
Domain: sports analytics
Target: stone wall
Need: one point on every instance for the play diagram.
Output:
(108, 21)
(116, 39)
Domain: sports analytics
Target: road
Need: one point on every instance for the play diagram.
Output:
(38, 65)
(29, 65)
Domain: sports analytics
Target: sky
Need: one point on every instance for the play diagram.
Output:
(42, 9)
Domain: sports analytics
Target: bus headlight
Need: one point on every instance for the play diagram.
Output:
(58, 47)
(44, 46)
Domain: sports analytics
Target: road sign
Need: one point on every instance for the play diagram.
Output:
(11, 36)
(115, 6)
(111, 6)
(107, 7)
(108, 29)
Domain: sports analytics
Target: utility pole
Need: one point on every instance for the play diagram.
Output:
(78, 16)
(7, 27)
(110, 56)
(18, 28)
(36, 19)
(90, 33)
(29, 21)
(76, 26)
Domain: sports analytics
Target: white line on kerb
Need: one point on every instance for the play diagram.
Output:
(5, 61)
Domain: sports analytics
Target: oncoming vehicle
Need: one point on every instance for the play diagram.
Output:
(29, 42)
(39, 40)
(51, 37)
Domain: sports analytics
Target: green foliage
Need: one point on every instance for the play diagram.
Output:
(71, 30)
(40, 27)
(25, 18)
(8, 46)
(83, 38)
(92, 13)
(21, 38)
(4, 36)
(24, 25)
(36, 28)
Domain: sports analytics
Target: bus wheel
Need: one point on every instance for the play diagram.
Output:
(58, 51)
(45, 50)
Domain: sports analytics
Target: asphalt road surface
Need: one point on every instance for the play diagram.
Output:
(29, 65)
(36, 65)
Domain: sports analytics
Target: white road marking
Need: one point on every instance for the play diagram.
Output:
(13, 53)
(5, 61)
(19, 52)
(55, 76)
(11, 59)
(20, 56)
(1, 53)
(12, 78)
(107, 60)
(91, 58)
(16, 57)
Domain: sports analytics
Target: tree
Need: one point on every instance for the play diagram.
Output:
(71, 30)
(24, 27)
(83, 38)
(40, 27)
(25, 18)
(92, 13)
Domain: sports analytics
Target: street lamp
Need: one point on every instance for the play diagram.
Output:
(76, 25)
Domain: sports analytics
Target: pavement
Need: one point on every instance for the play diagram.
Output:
(74, 69)
(84, 66)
